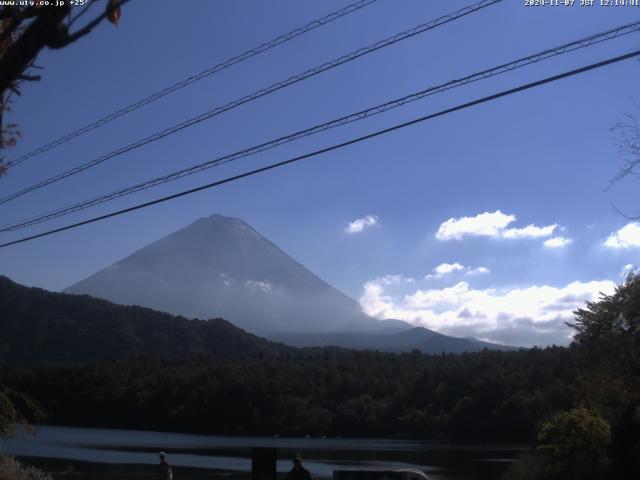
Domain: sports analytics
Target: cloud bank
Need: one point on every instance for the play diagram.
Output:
(534, 315)
(490, 224)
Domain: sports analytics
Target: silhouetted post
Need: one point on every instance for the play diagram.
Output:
(263, 463)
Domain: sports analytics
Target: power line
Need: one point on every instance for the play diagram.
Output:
(258, 94)
(338, 146)
(507, 67)
(195, 78)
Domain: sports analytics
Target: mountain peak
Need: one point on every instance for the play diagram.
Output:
(219, 220)
(219, 224)
(220, 266)
(216, 217)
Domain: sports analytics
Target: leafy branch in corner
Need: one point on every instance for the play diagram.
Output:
(24, 32)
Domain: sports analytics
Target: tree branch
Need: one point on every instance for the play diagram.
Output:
(24, 50)
(30, 78)
(70, 38)
(86, 8)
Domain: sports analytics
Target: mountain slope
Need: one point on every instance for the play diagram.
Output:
(40, 325)
(405, 340)
(220, 266)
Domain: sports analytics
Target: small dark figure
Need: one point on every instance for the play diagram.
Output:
(298, 472)
(165, 468)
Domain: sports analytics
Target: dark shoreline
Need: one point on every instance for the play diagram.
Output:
(118, 454)
(57, 468)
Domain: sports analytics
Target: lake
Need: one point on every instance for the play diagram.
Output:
(114, 454)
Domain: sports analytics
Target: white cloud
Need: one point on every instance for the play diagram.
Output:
(449, 268)
(445, 268)
(485, 224)
(522, 316)
(627, 237)
(478, 271)
(394, 280)
(359, 224)
(490, 224)
(557, 242)
(264, 287)
(530, 231)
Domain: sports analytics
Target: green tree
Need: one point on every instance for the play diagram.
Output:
(608, 340)
(577, 437)
(571, 445)
(608, 331)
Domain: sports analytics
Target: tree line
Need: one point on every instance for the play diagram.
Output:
(578, 406)
(480, 396)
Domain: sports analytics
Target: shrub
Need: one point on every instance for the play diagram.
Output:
(11, 469)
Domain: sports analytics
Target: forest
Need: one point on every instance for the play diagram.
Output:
(577, 406)
(487, 395)
(38, 325)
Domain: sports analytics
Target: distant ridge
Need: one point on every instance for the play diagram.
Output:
(222, 267)
(404, 340)
(38, 325)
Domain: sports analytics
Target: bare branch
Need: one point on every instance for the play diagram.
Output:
(84, 10)
(628, 140)
(63, 41)
(623, 214)
(20, 45)
(30, 78)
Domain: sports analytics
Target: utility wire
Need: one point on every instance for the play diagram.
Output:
(338, 146)
(507, 67)
(260, 93)
(193, 78)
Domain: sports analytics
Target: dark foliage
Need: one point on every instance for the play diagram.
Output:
(608, 341)
(38, 325)
(487, 395)
(600, 439)
(151, 370)
(167, 373)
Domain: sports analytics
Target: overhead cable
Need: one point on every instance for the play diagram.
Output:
(258, 94)
(353, 117)
(193, 79)
(338, 146)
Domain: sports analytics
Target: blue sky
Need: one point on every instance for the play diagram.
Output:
(456, 192)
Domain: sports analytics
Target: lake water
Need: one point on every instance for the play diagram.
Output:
(115, 454)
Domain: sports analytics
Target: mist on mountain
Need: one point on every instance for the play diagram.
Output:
(221, 267)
